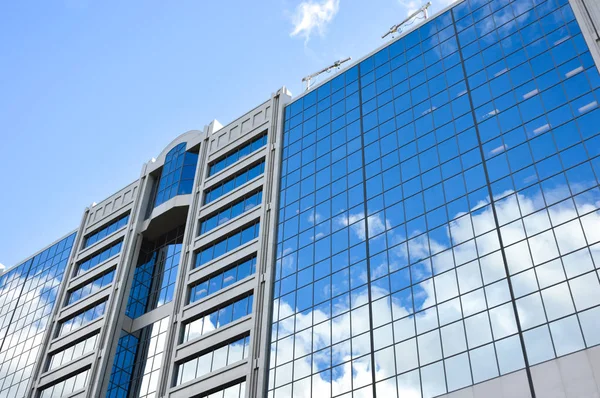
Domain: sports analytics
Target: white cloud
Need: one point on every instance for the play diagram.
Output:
(413, 5)
(310, 16)
(445, 3)
(459, 282)
(2, 267)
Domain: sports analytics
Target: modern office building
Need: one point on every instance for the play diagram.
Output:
(425, 223)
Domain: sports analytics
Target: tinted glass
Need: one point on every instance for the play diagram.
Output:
(28, 293)
(419, 187)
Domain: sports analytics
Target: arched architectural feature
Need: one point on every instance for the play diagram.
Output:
(189, 137)
(177, 177)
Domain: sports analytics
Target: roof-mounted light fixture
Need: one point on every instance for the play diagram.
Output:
(308, 80)
(409, 20)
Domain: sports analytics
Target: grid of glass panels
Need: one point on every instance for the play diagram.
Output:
(487, 100)
(238, 154)
(237, 390)
(67, 386)
(178, 173)
(217, 318)
(11, 285)
(111, 228)
(98, 258)
(320, 334)
(72, 352)
(81, 319)
(226, 277)
(122, 369)
(28, 293)
(212, 360)
(231, 183)
(138, 361)
(227, 243)
(154, 278)
(91, 287)
(535, 93)
(231, 211)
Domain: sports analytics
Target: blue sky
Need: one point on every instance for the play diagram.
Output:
(91, 90)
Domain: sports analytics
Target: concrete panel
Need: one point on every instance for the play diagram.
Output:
(516, 385)
(587, 13)
(110, 206)
(223, 139)
(175, 201)
(594, 359)
(513, 385)
(577, 375)
(153, 316)
(547, 381)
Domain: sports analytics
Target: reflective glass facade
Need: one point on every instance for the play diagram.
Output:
(75, 351)
(177, 176)
(438, 222)
(425, 223)
(91, 287)
(227, 243)
(237, 154)
(213, 360)
(122, 369)
(82, 318)
(155, 276)
(106, 230)
(66, 387)
(138, 361)
(236, 181)
(237, 208)
(217, 318)
(237, 390)
(99, 258)
(27, 296)
(229, 276)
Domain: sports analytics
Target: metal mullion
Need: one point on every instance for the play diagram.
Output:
(366, 224)
(490, 193)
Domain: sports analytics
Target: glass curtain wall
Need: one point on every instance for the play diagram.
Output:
(138, 361)
(154, 278)
(27, 296)
(438, 221)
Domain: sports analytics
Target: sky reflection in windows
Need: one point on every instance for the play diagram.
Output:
(177, 177)
(397, 229)
(27, 296)
(73, 352)
(66, 387)
(138, 361)
(217, 318)
(156, 274)
(230, 275)
(213, 360)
